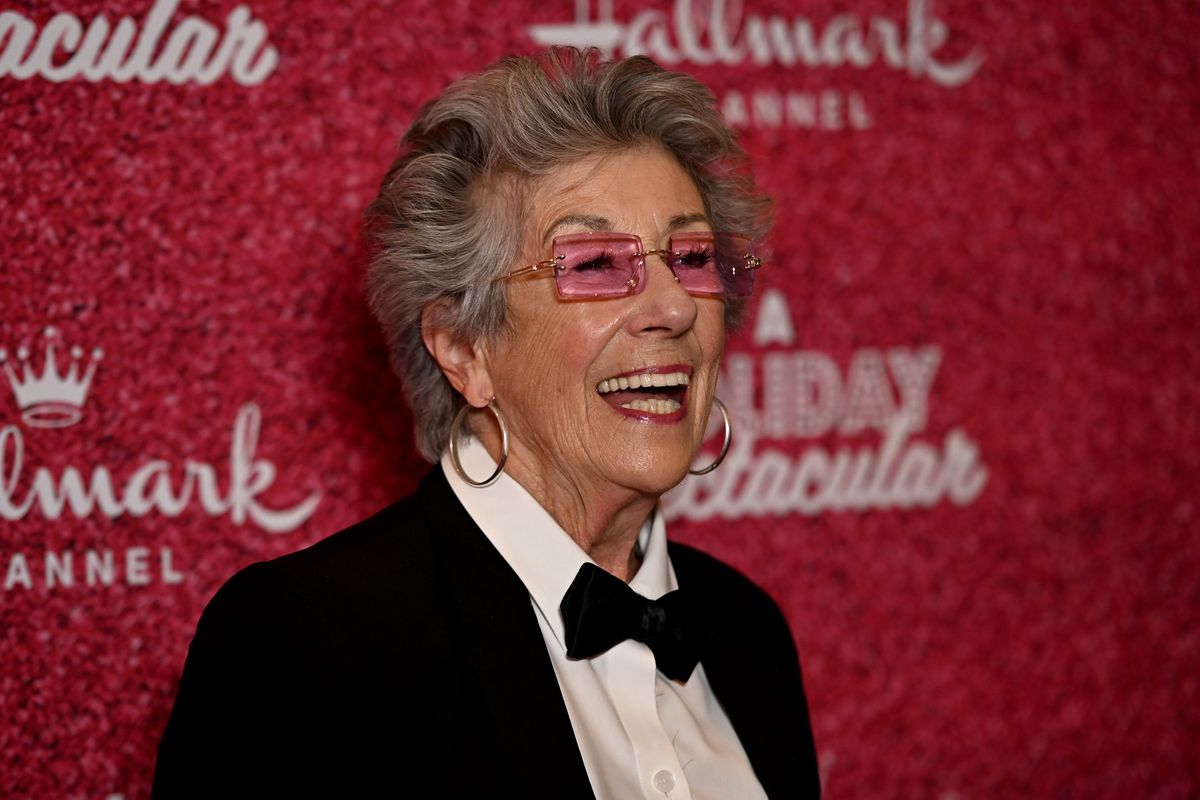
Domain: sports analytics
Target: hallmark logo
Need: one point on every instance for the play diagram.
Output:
(719, 32)
(51, 399)
(722, 32)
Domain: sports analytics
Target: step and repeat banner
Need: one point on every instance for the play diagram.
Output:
(965, 401)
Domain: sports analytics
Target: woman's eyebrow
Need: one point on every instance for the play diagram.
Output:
(589, 221)
(596, 223)
(683, 220)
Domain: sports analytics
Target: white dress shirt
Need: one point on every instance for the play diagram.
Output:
(641, 734)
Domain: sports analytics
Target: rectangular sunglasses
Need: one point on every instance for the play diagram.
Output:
(601, 264)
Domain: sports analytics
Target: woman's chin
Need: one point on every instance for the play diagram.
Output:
(655, 458)
(652, 477)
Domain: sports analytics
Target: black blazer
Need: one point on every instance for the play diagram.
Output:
(401, 657)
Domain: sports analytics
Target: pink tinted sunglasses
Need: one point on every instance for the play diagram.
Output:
(604, 264)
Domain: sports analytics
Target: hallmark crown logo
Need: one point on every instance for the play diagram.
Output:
(51, 399)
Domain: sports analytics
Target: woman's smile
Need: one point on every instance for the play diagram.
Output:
(655, 394)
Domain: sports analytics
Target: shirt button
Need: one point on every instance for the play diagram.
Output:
(664, 780)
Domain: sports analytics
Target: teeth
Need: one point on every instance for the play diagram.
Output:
(653, 406)
(644, 380)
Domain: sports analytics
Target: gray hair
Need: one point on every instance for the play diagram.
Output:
(447, 219)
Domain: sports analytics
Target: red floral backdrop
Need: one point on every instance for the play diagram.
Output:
(967, 439)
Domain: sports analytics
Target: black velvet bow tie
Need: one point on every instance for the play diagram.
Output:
(600, 611)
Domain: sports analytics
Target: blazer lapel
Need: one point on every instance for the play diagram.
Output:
(506, 650)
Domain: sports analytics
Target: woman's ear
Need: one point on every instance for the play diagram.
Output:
(463, 363)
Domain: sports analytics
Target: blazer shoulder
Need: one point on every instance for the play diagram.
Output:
(388, 552)
(342, 662)
(341, 596)
(721, 582)
(303, 661)
(393, 531)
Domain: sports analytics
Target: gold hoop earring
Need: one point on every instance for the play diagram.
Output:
(724, 445)
(456, 426)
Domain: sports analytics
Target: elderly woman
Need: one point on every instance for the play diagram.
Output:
(555, 277)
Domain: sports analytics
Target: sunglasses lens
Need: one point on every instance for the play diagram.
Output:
(714, 264)
(597, 265)
(592, 265)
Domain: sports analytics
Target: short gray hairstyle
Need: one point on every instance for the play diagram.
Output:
(447, 220)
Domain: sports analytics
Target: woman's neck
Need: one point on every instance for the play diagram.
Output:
(602, 518)
(603, 521)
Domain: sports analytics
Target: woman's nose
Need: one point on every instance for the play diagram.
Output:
(664, 306)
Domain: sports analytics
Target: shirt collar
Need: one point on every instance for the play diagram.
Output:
(544, 557)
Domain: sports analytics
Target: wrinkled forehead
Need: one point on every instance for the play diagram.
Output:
(643, 191)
